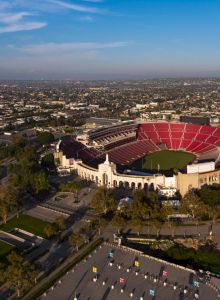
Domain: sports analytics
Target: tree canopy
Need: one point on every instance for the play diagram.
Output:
(192, 205)
(45, 138)
(26, 174)
(75, 240)
(19, 275)
(104, 202)
(8, 202)
(210, 194)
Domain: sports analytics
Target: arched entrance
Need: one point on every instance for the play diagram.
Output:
(139, 186)
(132, 185)
(146, 187)
(105, 179)
(126, 184)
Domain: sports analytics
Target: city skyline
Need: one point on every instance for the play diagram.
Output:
(108, 39)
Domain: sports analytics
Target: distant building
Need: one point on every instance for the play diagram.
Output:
(201, 167)
(98, 122)
(195, 120)
(166, 191)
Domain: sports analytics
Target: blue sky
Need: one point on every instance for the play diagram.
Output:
(109, 39)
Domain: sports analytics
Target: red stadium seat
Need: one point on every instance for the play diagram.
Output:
(201, 137)
(176, 144)
(176, 134)
(207, 130)
(192, 128)
(176, 127)
(189, 135)
(162, 126)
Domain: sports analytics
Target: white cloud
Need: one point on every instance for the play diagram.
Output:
(22, 27)
(76, 7)
(13, 17)
(13, 21)
(56, 48)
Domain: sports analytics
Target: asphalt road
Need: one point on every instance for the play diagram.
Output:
(79, 282)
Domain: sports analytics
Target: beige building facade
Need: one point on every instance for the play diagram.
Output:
(106, 175)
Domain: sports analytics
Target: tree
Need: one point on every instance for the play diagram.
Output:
(39, 183)
(100, 224)
(4, 211)
(88, 230)
(165, 211)
(8, 202)
(118, 221)
(19, 275)
(26, 175)
(153, 204)
(50, 230)
(140, 209)
(213, 213)
(75, 187)
(21, 173)
(210, 196)
(104, 202)
(48, 161)
(72, 187)
(18, 140)
(75, 240)
(192, 205)
(45, 138)
(61, 223)
(172, 226)
(157, 225)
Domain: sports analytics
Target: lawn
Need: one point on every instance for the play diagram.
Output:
(167, 160)
(5, 249)
(28, 223)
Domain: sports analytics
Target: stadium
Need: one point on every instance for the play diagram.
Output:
(136, 154)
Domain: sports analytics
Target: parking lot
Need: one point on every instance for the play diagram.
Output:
(95, 279)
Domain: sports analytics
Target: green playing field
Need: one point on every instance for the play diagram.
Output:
(166, 160)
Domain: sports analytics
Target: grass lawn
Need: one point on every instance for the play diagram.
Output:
(28, 223)
(5, 249)
(167, 160)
